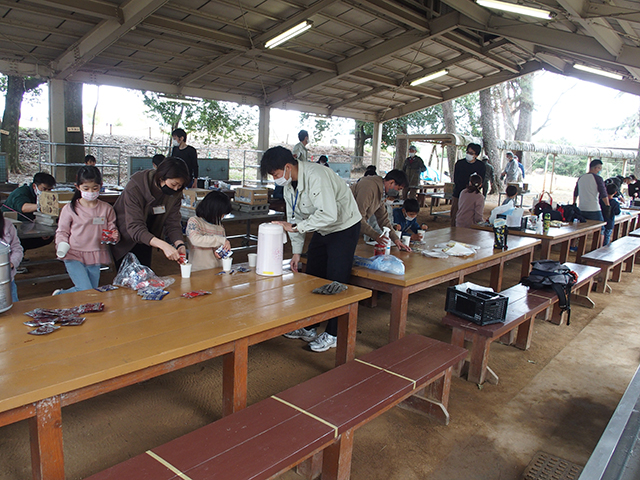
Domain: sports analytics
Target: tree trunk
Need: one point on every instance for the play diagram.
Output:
(450, 127)
(523, 132)
(73, 121)
(11, 121)
(402, 147)
(489, 134)
(507, 114)
(360, 138)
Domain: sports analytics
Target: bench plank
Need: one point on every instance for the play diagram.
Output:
(610, 260)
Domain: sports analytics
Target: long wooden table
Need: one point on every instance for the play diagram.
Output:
(562, 236)
(133, 340)
(423, 272)
(624, 223)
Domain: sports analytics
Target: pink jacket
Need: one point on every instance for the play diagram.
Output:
(10, 237)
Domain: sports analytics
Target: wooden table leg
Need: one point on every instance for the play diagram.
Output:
(527, 258)
(595, 240)
(582, 246)
(234, 378)
(399, 304)
(616, 231)
(336, 464)
(496, 276)
(347, 328)
(45, 430)
(628, 264)
(545, 249)
(602, 280)
(564, 251)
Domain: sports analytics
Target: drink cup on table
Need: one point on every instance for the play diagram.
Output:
(253, 259)
(226, 264)
(185, 270)
(406, 239)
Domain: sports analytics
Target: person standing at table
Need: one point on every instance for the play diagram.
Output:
(471, 203)
(148, 211)
(413, 167)
(369, 193)
(300, 151)
(462, 172)
(590, 190)
(511, 170)
(24, 201)
(186, 153)
(319, 202)
(634, 187)
(615, 210)
(488, 175)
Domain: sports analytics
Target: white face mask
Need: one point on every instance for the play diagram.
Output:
(176, 143)
(469, 157)
(412, 154)
(90, 196)
(38, 192)
(282, 181)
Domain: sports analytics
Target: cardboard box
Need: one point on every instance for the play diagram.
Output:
(191, 196)
(518, 187)
(252, 196)
(51, 203)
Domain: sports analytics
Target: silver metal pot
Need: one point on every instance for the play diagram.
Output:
(5, 278)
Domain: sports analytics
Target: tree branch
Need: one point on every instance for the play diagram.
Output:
(544, 124)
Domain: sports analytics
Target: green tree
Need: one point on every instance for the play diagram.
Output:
(207, 120)
(16, 87)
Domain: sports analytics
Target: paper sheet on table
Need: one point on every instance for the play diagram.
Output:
(469, 285)
(459, 250)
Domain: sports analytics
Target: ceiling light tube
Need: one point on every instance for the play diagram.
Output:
(514, 8)
(289, 34)
(428, 78)
(596, 71)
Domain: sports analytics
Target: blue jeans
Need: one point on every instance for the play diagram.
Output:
(593, 216)
(14, 291)
(607, 236)
(84, 277)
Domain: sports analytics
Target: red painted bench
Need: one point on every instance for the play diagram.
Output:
(611, 259)
(313, 422)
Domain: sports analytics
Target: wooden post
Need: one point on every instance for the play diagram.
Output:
(553, 171)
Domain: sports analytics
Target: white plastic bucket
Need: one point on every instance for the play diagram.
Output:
(5, 278)
(271, 240)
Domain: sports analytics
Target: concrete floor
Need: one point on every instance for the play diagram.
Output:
(556, 397)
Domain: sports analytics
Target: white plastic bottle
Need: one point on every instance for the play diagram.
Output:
(387, 240)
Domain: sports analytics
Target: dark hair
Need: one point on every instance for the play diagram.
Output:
(213, 207)
(371, 170)
(398, 176)
(511, 190)
(172, 167)
(633, 177)
(411, 205)
(323, 160)
(44, 178)
(88, 173)
(612, 189)
(413, 147)
(275, 159)
(157, 159)
(178, 132)
(302, 134)
(475, 183)
(89, 158)
(595, 162)
(475, 147)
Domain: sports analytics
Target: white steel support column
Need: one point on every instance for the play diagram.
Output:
(263, 128)
(56, 126)
(376, 142)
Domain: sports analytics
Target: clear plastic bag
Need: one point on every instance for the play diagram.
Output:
(382, 263)
(134, 275)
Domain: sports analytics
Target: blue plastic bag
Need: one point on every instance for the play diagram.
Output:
(382, 263)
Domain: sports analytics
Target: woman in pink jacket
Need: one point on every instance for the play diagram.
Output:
(10, 238)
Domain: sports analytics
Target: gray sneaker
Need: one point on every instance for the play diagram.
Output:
(323, 342)
(306, 335)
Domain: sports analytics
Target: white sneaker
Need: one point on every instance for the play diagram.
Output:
(323, 342)
(306, 335)
(56, 292)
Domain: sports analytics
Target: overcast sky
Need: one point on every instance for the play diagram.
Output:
(586, 114)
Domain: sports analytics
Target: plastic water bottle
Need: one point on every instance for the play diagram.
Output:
(576, 221)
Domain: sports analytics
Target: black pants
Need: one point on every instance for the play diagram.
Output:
(31, 243)
(142, 252)
(331, 257)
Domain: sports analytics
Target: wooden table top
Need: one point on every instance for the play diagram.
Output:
(626, 215)
(132, 334)
(419, 268)
(555, 233)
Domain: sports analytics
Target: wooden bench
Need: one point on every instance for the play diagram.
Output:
(635, 233)
(313, 422)
(524, 305)
(611, 259)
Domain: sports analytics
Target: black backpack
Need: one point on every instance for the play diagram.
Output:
(549, 273)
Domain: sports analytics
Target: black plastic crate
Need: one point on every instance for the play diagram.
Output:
(478, 307)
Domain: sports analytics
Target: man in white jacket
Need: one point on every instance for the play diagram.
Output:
(319, 202)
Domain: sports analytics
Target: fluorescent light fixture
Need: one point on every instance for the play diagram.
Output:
(513, 8)
(428, 78)
(289, 34)
(179, 99)
(596, 71)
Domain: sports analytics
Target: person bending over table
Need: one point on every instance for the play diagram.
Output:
(149, 210)
(320, 202)
(405, 219)
(369, 193)
(24, 201)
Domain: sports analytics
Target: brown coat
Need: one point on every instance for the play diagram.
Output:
(136, 221)
(369, 195)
